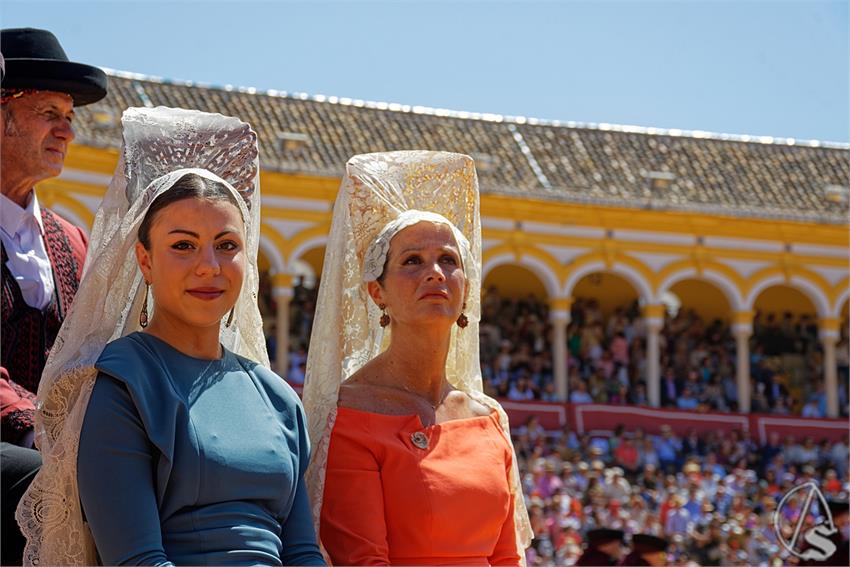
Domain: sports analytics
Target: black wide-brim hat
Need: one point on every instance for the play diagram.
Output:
(838, 506)
(601, 536)
(646, 543)
(34, 59)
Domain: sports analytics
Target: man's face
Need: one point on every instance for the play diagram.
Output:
(36, 130)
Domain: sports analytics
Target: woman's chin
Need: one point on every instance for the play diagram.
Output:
(435, 320)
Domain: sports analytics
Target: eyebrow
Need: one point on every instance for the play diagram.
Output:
(196, 235)
(53, 106)
(446, 248)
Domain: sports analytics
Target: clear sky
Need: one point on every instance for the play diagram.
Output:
(769, 67)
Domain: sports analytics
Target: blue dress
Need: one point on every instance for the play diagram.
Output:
(194, 462)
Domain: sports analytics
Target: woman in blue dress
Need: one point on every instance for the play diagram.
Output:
(166, 438)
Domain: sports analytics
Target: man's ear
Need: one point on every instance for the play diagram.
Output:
(376, 292)
(143, 257)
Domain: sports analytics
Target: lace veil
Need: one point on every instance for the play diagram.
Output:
(158, 143)
(382, 193)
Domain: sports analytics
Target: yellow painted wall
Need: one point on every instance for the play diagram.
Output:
(263, 262)
(780, 298)
(316, 258)
(610, 290)
(704, 298)
(515, 282)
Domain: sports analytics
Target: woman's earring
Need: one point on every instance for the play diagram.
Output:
(463, 320)
(143, 316)
(385, 319)
(230, 317)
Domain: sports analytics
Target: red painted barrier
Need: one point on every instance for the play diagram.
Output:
(601, 419)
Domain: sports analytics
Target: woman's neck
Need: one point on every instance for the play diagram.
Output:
(197, 342)
(416, 361)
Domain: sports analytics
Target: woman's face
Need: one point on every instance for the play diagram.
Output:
(196, 262)
(423, 279)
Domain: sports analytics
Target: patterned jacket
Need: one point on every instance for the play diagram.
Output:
(28, 333)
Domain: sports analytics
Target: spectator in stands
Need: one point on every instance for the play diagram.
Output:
(604, 547)
(296, 375)
(667, 446)
(687, 401)
(627, 456)
(679, 521)
(521, 390)
(580, 395)
(647, 549)
(669, 388)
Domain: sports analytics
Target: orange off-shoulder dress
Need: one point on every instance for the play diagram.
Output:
(398, 493)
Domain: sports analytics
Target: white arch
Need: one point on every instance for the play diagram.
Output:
(810, 290)
(306, 246)
(630, 274)
(839, 303)
(729, 289)
(273, 254)
(534, 265)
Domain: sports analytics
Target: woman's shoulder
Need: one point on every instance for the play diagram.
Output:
(361, 396)
(273, 383)
(128, 356)
(466, 405)
(128, 344)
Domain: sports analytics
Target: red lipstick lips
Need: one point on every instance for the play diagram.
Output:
(437, 294)
(205, 293)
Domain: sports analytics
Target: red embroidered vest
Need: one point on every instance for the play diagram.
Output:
(28, 333)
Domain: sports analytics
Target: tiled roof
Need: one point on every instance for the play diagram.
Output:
(647, 168)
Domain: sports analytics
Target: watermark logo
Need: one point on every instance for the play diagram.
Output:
(818, 546)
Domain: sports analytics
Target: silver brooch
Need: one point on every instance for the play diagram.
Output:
(419, 439)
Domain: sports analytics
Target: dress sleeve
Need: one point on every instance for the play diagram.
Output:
(298, 534)
(115, 474)
(505, 551)
(16, 410)
(353, 526)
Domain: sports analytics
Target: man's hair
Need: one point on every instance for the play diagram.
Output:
(9, 127)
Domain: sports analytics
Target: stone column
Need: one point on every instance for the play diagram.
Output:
(828, 331)
(742, 329)
(282, 293)
(559, 315)
(654, 318)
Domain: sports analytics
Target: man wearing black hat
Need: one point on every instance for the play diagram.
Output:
(604, 547)
(42, 253)
(647, 550)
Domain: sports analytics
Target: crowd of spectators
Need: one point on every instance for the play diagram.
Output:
(607, 358)
(712, 496)
(302, 309)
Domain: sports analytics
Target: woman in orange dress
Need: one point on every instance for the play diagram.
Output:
(413, 465)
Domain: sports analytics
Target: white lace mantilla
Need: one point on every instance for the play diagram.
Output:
(158, 144)
(377, 194)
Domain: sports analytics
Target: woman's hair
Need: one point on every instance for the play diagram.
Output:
(190, 186)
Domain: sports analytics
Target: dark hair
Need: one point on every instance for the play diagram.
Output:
(190, 186)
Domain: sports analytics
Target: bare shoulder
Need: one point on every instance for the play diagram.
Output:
(461, 405)
(355, 393)
(360, 393)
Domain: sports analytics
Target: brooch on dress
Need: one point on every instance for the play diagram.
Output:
(419, 439)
